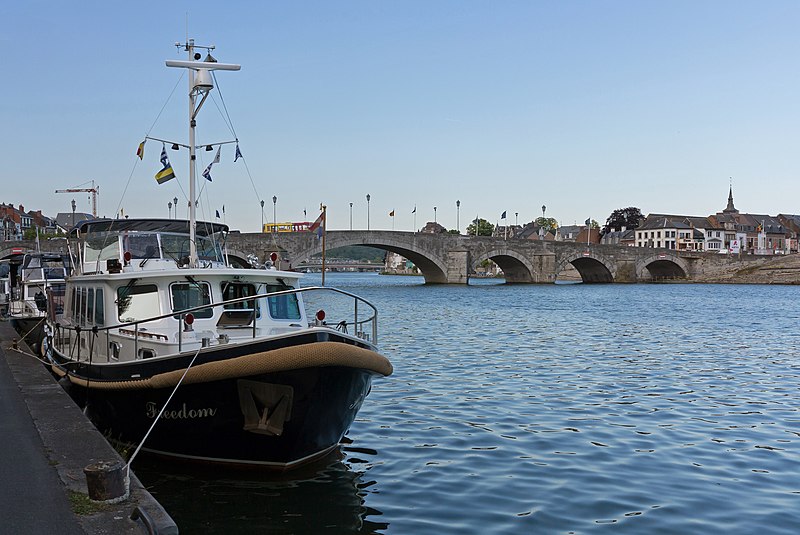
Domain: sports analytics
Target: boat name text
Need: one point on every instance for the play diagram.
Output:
(183, 413)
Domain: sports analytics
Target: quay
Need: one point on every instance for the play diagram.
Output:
(47, 442)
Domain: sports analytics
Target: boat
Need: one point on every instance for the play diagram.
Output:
(25, 280)
(178, 350)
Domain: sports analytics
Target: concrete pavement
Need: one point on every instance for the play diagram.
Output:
(45, 443)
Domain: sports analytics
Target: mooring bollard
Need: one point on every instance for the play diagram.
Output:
(14, 344)
(106, 481)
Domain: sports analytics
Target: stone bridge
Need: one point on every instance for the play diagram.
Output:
(451, 259)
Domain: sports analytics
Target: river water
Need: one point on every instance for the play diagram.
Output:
(668, 408)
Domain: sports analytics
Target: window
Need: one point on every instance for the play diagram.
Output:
(142, 245)
(283, 307)
(82, 306)
(136, 303)
(189, 295)
(90, 307)
(241, 313)
(99, 308)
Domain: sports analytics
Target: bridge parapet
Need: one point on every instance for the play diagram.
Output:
(450, 259)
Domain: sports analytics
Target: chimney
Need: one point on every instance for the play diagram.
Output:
(21, 209)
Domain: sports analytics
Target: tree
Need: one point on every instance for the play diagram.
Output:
(453, 231)
(622, 217)
(548, 223)
(480, 227)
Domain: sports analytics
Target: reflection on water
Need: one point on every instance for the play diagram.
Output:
(546, 409)
(327, 496)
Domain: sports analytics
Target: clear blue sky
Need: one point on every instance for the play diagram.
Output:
(581, 106)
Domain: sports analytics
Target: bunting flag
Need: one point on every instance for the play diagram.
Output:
(238, 153)
(166, 173)
(223, 208)
(414, 211)
(207, 172)
(588, 222)
(217, 214)
(140, 150)
(318, 223)
(504, 215)
(391, 214)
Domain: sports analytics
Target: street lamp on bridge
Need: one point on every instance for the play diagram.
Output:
(368, 197)
(434, 215)
(351, 216)
(458, 216)
(262, 215)
(169, 207)
(274, 205)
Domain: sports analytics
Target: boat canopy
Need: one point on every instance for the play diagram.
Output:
(177, 226)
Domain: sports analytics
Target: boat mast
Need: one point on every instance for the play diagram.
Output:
(200, 83)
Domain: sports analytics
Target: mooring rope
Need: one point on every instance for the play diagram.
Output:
(163, 407)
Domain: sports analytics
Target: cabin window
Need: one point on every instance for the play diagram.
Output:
(283, 307)
(90, 306)
(101, 246)
(189, 295)
(136, 303)
(238, 314)
(82, 306)
(147, 353)
(141, 245)
(99, 308)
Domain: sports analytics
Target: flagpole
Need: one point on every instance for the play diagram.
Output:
(324, 225)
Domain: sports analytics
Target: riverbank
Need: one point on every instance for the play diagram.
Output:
(48, 443)
(761, 270)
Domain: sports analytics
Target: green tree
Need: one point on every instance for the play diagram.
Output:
(480, 227)
(453, 231)
(548, 223)
(622, 217)
(29, 234)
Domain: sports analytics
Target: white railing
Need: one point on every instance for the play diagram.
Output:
(360, 314)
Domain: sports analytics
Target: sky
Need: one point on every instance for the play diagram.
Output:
(580, 106)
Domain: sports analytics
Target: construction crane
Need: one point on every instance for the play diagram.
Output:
(94, 190)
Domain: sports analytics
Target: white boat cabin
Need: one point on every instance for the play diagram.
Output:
(133, 285)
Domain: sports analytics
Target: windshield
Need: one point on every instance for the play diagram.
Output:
(107, 245)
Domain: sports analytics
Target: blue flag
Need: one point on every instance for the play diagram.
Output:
(504, 215)
(238, 154)
(217, 214)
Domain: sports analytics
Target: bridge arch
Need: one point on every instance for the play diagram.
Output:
(516, 268)
(592, 267)
(431, 265)
(662, 266)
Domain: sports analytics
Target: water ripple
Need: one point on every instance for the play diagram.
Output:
(575, 409)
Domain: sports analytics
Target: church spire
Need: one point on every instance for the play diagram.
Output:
(730, 209)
